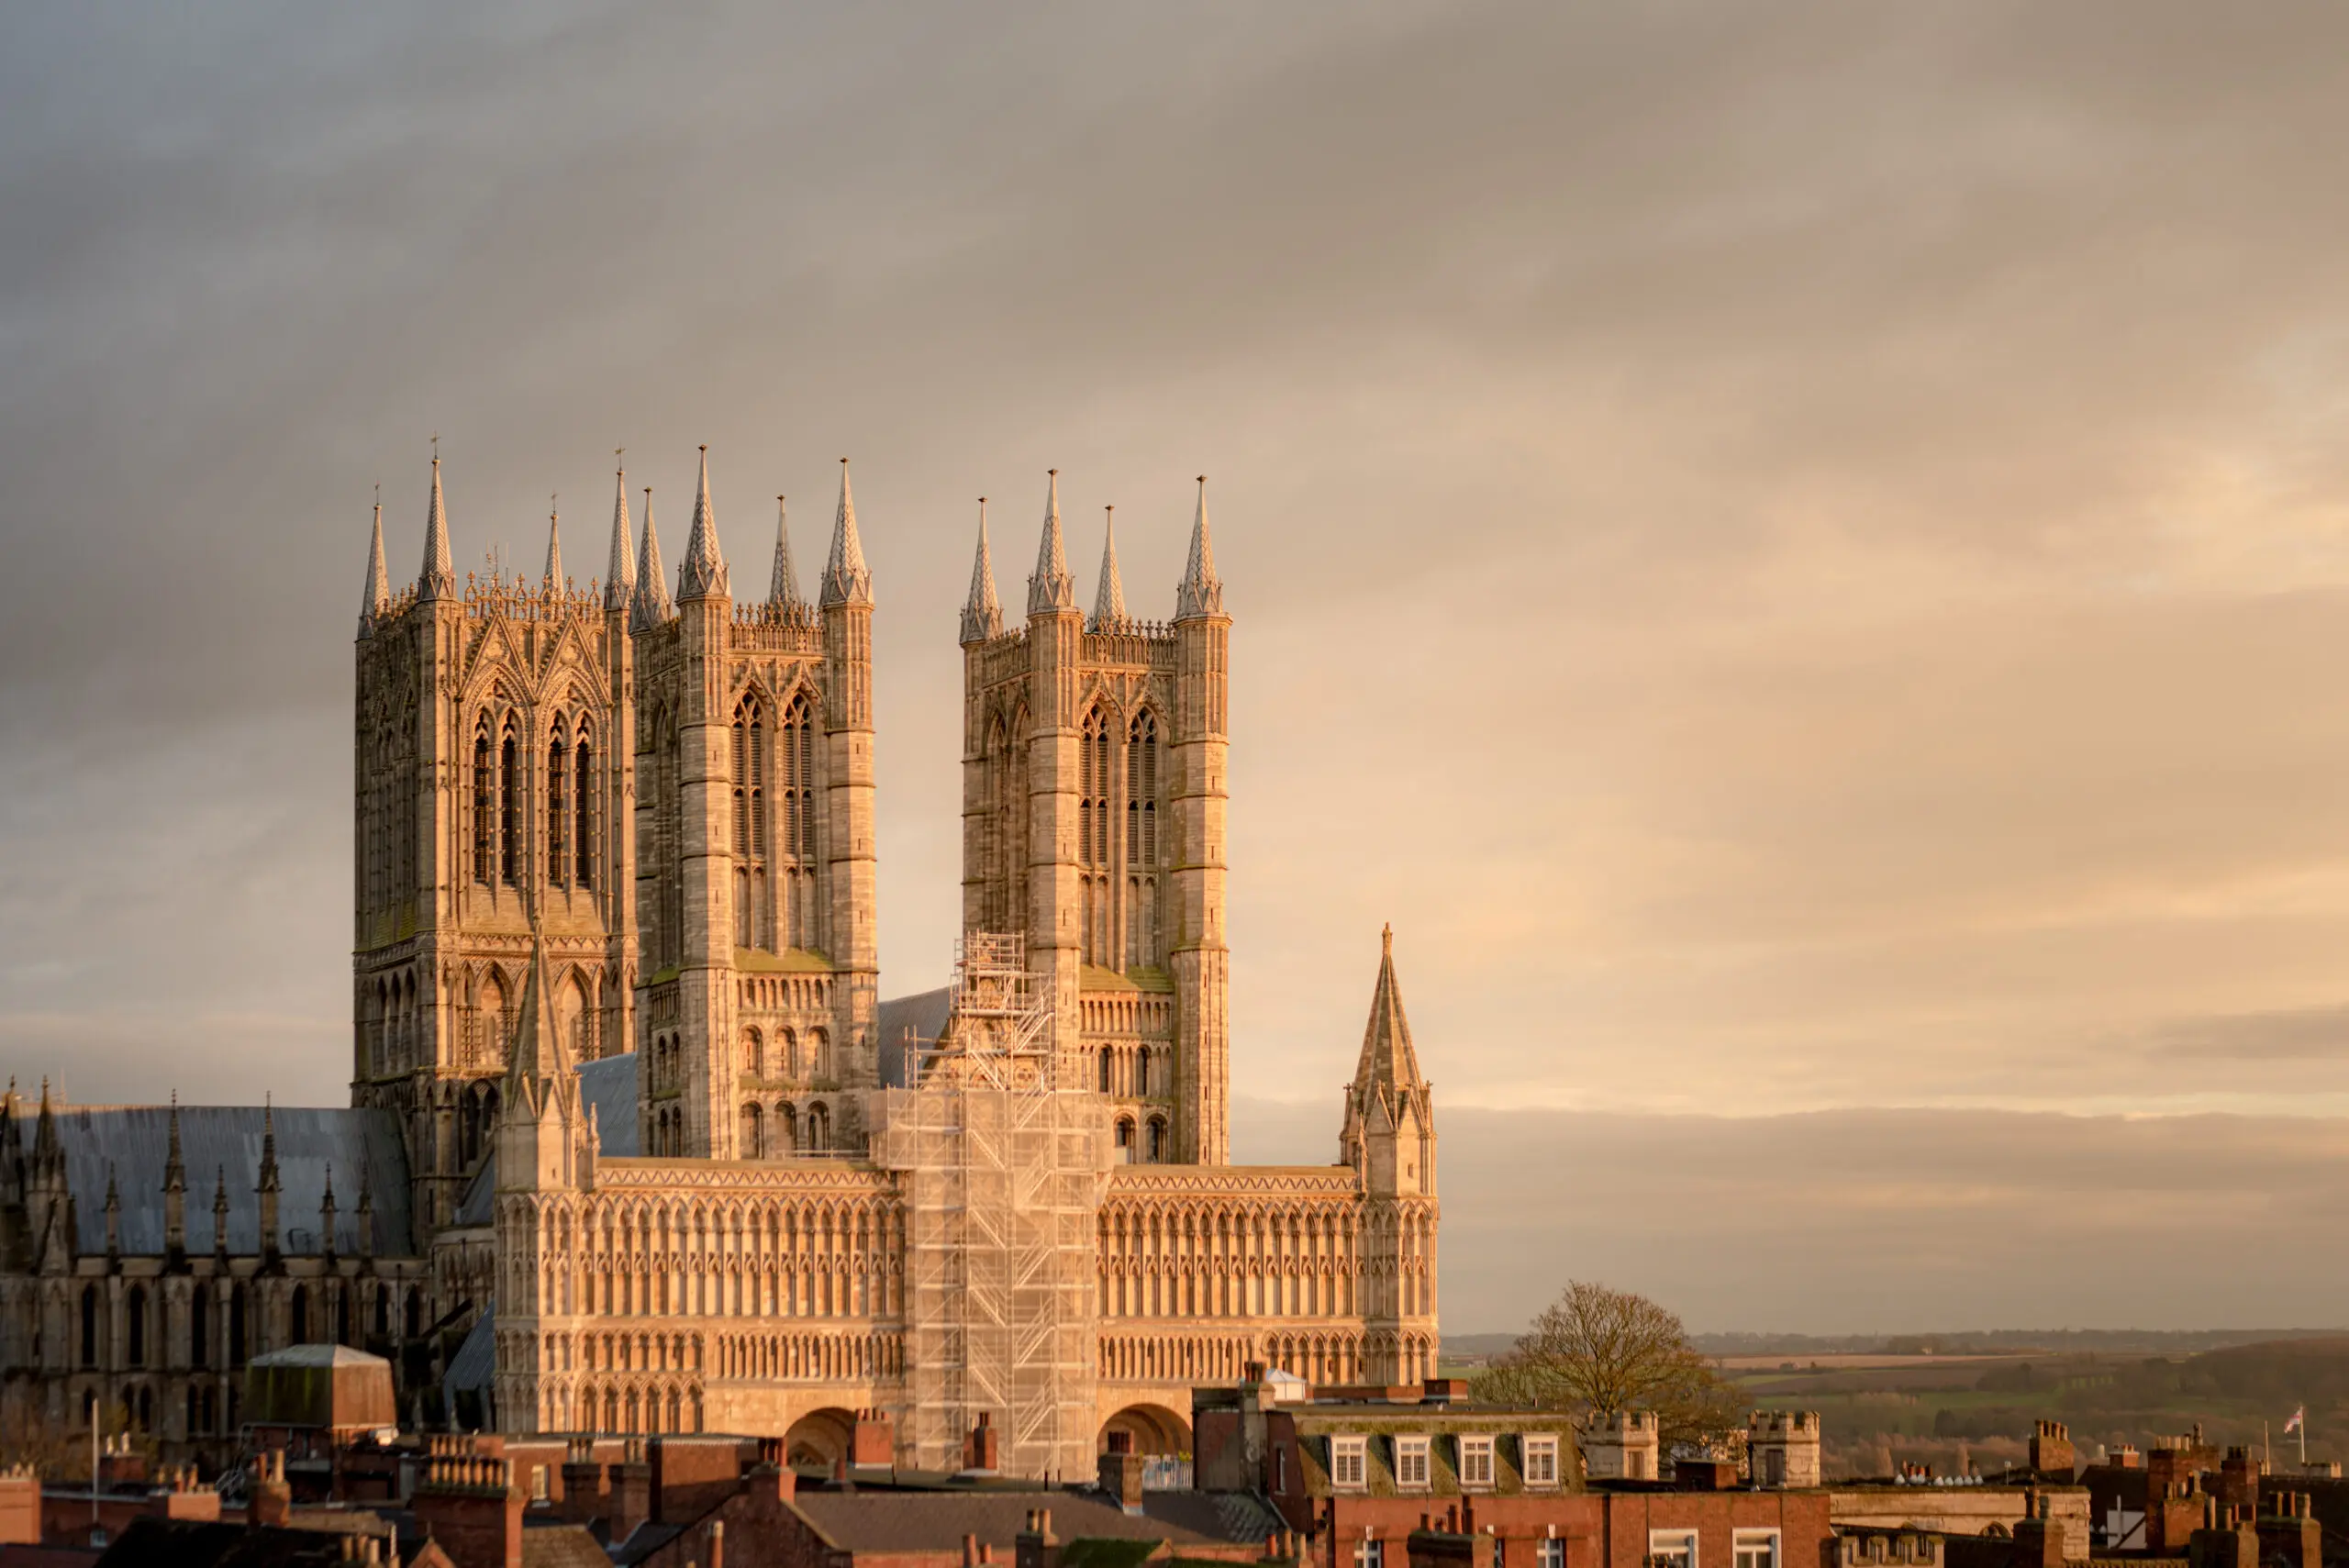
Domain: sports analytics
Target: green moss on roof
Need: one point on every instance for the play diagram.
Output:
(790, 961)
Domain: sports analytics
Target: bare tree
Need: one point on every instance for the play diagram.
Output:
(1596, 1352)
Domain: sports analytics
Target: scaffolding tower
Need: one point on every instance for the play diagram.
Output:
(1004, 1174)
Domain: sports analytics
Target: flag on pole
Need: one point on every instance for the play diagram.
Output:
(2300, 1418)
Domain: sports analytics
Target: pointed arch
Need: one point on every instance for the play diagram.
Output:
(484, 800)
(559, 857)
(584, 814)
(509, 803)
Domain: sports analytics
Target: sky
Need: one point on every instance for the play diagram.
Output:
(1799, 553)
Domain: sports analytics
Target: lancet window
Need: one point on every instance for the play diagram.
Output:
(1093, 848)
(584, 803)
(1141, 840)
(484, 804)
(558, 808)
(797, 851)
(751, 926)
(509, 809)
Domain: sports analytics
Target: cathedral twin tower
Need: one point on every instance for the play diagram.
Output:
(676, 795)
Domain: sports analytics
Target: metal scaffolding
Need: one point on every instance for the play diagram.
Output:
(1005, 1173)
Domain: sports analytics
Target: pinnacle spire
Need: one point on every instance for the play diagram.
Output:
(651, 605)
(439, 575)
(1109, 598)
(268, 1145)
(553, 578)
(174, 1169)
(379, 583)
(982, 612)
(538, 1062)
(846, 581)
(1201, 592)
(1388, 1061)
(1052, 588)
(782, 583)
(619, 574)
(703, 572)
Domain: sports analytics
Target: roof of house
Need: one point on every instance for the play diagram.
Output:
(919, 1521)
(221, 1145)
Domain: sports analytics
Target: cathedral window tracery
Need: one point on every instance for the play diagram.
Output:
(558, 809)
(484, 796)
(584, 805)
(509, 809)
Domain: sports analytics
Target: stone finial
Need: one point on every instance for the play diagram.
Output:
(846, 579)
(1200, 592)
(619, 571)
(982, 611)
(440, 573)
(782, 583)
(703, 572)
(1052, 588)
(651, 605)
(552, 580)
(377, 596)
(1109, 597)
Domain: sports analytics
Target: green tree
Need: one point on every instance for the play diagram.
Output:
(1596, 1352)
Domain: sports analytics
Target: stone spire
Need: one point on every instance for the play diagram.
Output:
(982, 612)
(1109, 598)
(266, 1186)
(366, 1208)
(1390, 1120)
(704, 571)
(45, 1131)
(651, 605)
(378, 597)
(220, 1213)
(174, 1188)
(114, 1215)
(554, 579)
(326, 1217)
(1052, 588)
(1201, 592)
(538, 1061)
(1388, 1059)
(782, 583)
(846, 581)
(439, 575)
(619, 572)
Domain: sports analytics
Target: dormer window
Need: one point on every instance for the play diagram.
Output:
(1476, 1464)
(1348, 1464)
(1411, 1463)
(1541, 1460)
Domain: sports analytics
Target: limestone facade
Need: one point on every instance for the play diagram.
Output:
(619, 823)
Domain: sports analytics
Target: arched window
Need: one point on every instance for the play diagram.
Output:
(484, 805)
(413, 1321)
(751, 1064)
(796, 760)
(820, 1128)
(237, 1335)
(558, 809)
(1157, 1139)
(819, 1053)
(89, 1325)
(1093, 848)
(750, 825)
(298, 1317)
(584, 798)
(135, 1325)
(199, 1327)
(787, 1055)
(785, 1129)
(1142, 791)
(1125, 1140)
(509, 810)
(752, 1148)
(1105, 1069)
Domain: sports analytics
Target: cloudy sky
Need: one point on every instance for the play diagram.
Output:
(1799, 553)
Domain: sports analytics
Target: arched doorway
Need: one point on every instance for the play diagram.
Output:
(1154, 1430)
(819, 1440)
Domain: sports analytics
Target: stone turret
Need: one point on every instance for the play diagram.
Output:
(619, 570)
(650, 605)
(438, 580)
(1620, 1446)
(702, 574)
(1109, 595)
(376, 598)
(850, 862)
(1197, 953)
(266, 1188)
(175, 1193)
(982, 610)
(783, 580)
(1389, 1140)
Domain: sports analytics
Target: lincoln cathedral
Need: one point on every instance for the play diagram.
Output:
(636, 1145)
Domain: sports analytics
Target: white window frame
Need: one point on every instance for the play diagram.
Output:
(1370, 1552)
(1539, 1453)
(1549, 1551)
(1349, 1455)
(1756, 1549)
(1671, 1548)
(1478, 1448)
(1414, 1469)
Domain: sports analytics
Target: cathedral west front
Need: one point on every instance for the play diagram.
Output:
(644, 1148)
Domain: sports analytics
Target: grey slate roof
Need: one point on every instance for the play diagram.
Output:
(609, 1085)
(924, 1013)
(476, 1358)
(135, 1141)
(884, 1521)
